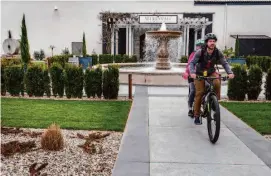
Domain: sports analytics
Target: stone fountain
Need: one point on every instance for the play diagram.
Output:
(165, 72)
(163, 36)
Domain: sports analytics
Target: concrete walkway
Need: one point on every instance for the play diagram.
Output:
(161, 140)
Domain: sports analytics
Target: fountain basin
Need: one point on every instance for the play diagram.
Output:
(147, 74)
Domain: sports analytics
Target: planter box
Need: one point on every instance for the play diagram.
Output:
(240, 61)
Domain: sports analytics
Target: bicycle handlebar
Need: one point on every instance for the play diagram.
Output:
(224, 78)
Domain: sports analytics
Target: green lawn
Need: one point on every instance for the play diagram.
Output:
(257, 115)
(101, 115)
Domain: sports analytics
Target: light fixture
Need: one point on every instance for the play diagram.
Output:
(56, 8)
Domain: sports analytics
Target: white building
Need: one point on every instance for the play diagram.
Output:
(61, 23)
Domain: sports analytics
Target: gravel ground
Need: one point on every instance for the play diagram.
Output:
(268, 137)
(72, 160)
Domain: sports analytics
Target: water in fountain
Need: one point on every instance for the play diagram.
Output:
(174, 47)
(150, 49)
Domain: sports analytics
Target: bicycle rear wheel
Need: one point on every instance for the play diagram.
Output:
(213, 119)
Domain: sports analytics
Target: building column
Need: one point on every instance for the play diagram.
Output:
(127, 39)
(184, 41)
(187, 43)
(130, 40)
(203, 32)
(117, 42)
(195, 37)
(112, 41)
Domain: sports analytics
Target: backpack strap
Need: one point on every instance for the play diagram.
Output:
(217, 58)
(203, 49)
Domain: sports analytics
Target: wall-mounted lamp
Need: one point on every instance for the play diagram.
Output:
(56, 8)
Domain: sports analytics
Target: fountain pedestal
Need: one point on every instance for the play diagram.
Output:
(162, 61)
(163, 36)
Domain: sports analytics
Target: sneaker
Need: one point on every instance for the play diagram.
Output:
(190, 113)
(197, 121)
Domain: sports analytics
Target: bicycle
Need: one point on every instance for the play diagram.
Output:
(210, 103)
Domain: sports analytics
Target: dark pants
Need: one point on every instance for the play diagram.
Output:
(191, 95)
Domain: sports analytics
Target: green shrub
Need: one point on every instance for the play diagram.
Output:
(60, 59)
(57, 76)
(34, 81)
(134, 58)
(129, 59)
(264, 62)
(47, 86)
(119, 58)
(10, 62)
(99, 81)
(254, 89)
(237, 87)
(3, 81)
(237, 47)
(94, 59)
(14, 76)
(268, 85)
(184, 59)
(126, 58)
(74, 81)
(105, 58)
(106, 84)
(90, 88)
(111, 82)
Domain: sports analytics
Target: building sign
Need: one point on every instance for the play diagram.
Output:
(155, 19)
(74, 60)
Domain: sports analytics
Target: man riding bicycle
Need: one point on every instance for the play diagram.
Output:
(205, 60)
(191, 95)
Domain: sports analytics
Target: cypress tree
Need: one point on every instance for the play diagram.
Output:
(237, 46)
(84, 46)
(25, 55)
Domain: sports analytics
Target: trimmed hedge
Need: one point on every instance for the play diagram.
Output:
(254, 89)
(111, 82)
(264, 62)
(105, 58)
(60, 59)
(71, 79)
(93, 82)
(47, 81)
(99, 81)
(3, 81)
(127, 59)
(237, 87)
(57, 76)
(74, 81)
(34, 81)
(10, 62)
(119, 59)
(268, 85)
(184, 59)
(95, 58)
(14, 76)
(90, 83)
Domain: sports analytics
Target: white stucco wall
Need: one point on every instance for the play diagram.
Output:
(47, 27)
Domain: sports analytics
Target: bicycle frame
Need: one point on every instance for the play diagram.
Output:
(208, 93)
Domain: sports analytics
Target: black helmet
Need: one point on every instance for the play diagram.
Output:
(210, 36)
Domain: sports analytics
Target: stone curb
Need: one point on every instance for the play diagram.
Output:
(250, 137)
(133, 157)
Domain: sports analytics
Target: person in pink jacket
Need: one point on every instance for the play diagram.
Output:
(191, 95)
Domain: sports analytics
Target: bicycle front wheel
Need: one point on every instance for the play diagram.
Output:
(213, 119)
